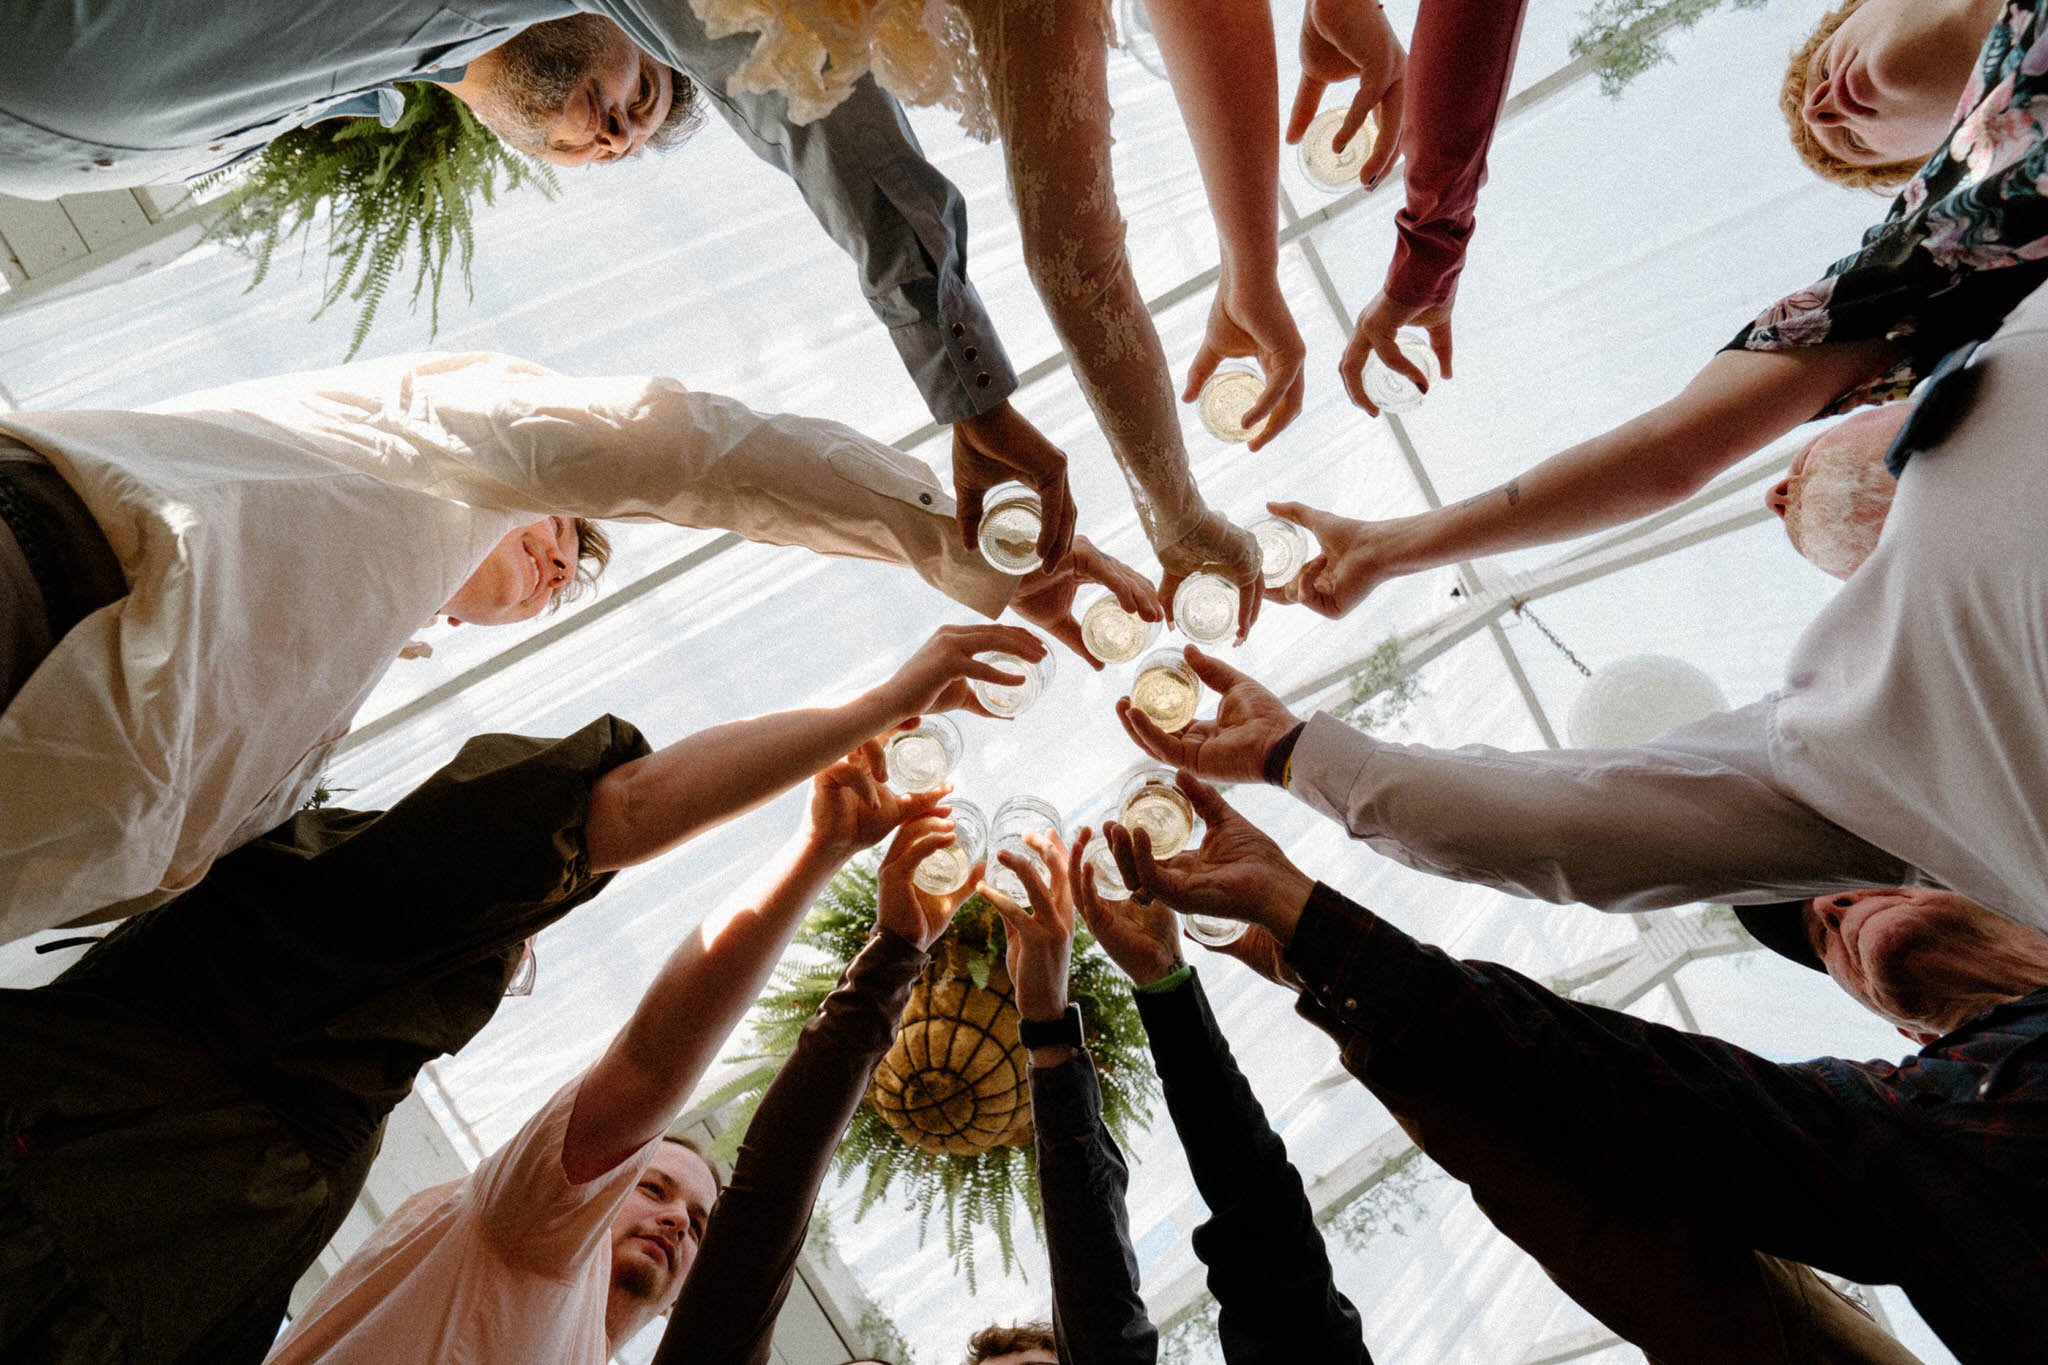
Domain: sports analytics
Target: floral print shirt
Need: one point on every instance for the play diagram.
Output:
(1964, 242)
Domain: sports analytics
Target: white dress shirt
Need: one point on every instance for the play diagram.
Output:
(282, 540)
(1909, 744)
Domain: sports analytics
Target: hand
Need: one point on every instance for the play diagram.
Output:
(852, 805)
(1340, 40)
(935, 678)
(903, 907)
(1377, 334)
(1046, 596)
(1231, 748)
(1040, 943)
(1213, 543)
(1143, 940)
(1261, 952)
(1235, 873)
(1353, 558)
(997, 446)
(1254, 321)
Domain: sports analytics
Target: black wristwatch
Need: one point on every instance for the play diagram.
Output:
(1052, 1032)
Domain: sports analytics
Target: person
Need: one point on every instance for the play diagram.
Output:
(1904, 747)
(111, 93)
(1436, 109)
(1835, 497)
(728, 1308)
(188, 1113)
(1960, 249)
(1017, 1343)
(1035, 74)
(1676, 1184)
(582, 1229)
(195, 708)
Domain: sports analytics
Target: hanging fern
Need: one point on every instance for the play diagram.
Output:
(969, 1192)
(1625, 38)
(411, 187)
(1382, 689)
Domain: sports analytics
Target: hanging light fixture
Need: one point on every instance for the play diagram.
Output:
(1637, 698)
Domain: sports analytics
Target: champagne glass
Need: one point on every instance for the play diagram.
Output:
(1325, 166)
(1151, 802)
(1213, 931)
(920, 758)
(1392, 391)
(1227, 396)
(944, 872)
(1005, 700)
(1010, 521)
(1205, 608)
(1114, 635)
(1283, 549)
(1167, 690)
(1015, 818)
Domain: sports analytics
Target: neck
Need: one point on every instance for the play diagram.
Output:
(2000, 967)
(624, 1315)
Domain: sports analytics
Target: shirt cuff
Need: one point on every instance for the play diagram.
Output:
(1338, 951)
(1326, 763)
(1281, 755)
(970, 373)
(1172, 981)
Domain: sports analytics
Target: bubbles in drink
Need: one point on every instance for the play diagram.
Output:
(920, 759)
(1323, 164)
(1392, 391)
(1213, 931)
(1226, 398)
(1010, 521)
(1005, 699)
(1167, 691)
(1109, 879)
(944, 872)
(1282, 550)
(1114, 635)
(1152, 802)
(1205, 608)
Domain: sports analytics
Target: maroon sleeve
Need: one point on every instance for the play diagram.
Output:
(1459, 64)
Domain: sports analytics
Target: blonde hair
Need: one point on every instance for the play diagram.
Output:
(1792, 102)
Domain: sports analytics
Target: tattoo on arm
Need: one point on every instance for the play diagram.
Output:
(1514, 491)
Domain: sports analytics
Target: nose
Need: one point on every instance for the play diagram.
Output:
(1821, 106)
(616, 132)
(1780, 497)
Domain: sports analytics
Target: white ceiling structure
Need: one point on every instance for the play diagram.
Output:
(1620, 243)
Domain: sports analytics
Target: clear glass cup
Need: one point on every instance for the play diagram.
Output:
(1325, 166)
(1114, 635)
(920, 759)
(1392, 391)
(1227, 396)
(1205, 608)
(1167, 690)
(1109, 878)
(944, 872)
(1005, 700)
(524, 972)
(1011, 518)
(1015, 818)
(1150, 801)
(1212, 931)
(1283, 549)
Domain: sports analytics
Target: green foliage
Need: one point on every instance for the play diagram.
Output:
(1389, 1204)
(1625, 38)
(1191, 1338)
(1382, 689)
(977, 1192)
(386, 192)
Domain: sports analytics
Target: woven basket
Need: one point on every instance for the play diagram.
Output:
(954, 1083)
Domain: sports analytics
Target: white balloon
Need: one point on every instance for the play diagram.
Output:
(1635, 699)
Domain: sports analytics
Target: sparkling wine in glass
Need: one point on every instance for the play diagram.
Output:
(920, 759)
(1167, 690)
(1010, 521)
(1213, 931)
(1325, 166)
(1392, 391)
(1227, 397)
(944, 872)
(1205, 608)
(1151, 802)
(1283, 549)
(1004, 699)
(1015, 818)
(1114, 635)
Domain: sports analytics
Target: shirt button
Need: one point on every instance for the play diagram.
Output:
(981, 380)
(971, 352)
(959, 330)
(1351, 1005)
(925, 498)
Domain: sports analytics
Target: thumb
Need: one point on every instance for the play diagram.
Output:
(969, 497)
(1310, 519)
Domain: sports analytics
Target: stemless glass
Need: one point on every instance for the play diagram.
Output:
(1005, 700)
(1205, 608)
(944, 872)
(1212, 931)
(919, 759)
(1283, 549)
(1167, 690)
(1227, 396)
(1392, 391)
(1015, 818)
(1010, 521)
(524, 972)
(1109, 878)
(1325, 166)
(1151, 802)
(1114, 635)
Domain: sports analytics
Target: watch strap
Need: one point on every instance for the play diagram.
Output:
(1052, 1032)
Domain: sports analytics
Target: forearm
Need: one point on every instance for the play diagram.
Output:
(1225, 76)
(642, 1081)
(1738, 403)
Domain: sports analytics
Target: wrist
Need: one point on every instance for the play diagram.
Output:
(1151, 973)
(1045, 1058)
(1280, 903)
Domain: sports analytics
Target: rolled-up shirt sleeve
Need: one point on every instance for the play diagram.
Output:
(1688, 817)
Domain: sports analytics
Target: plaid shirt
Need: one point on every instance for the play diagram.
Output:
(1928, 1173)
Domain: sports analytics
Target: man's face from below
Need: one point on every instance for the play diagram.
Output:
(1835, 498)
(657, 1231)
(1910, 953)
(520, 577)
(574, 91)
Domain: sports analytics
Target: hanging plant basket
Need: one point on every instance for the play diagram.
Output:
(956, 1082)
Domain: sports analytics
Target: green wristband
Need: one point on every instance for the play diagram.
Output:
(1172, 981)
